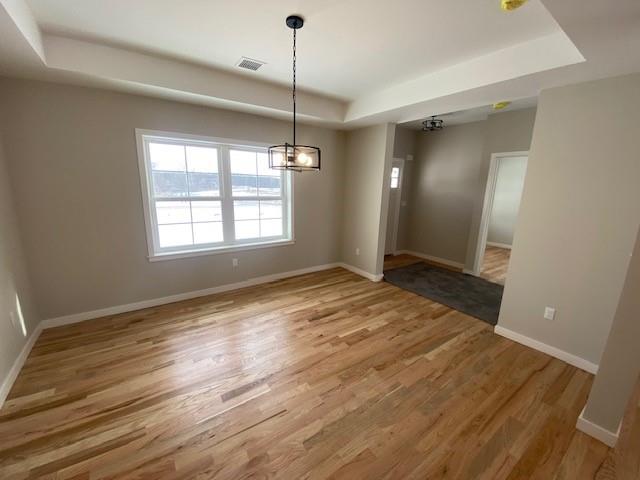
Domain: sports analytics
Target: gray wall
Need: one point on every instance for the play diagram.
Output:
(446, 183)
(444, 175)
(368, 158)
(506, 132)
(579, 216)
(620, 364)
(14, 280)
(506, 200)
(405, 143)
(77, 189)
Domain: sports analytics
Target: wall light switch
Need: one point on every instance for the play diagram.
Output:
(409, 158)
(357, 251)
(234, 262)
(549, 313)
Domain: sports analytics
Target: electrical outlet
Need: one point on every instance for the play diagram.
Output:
(234, 262)
(357, 251)
(549, 313)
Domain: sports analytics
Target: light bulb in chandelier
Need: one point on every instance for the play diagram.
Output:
(291, 156)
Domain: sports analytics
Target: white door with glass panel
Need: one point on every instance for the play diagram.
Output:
(395, 198)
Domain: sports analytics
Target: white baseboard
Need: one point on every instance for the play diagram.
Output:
(18, 364)
(499, 245)
(154, 302)
(431, 258)
(362, 273)
(596, 431)
(571, 359)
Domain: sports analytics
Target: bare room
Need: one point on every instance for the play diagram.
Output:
(319, 240)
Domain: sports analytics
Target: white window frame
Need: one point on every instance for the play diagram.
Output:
(226, 198)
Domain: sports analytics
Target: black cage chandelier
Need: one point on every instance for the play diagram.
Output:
(292, 156)
(432, 124)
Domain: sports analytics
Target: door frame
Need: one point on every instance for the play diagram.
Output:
(487, 206)
(394, 235)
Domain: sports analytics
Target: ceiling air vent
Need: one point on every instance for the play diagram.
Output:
(249, 63)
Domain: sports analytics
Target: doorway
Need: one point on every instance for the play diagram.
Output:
(499, 215)
(395, 199)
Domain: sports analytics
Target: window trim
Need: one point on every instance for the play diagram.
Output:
(148, 200)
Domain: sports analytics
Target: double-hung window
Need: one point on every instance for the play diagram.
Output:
(203, 195)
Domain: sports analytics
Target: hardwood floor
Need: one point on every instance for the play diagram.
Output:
(495, 264)
(325, 375)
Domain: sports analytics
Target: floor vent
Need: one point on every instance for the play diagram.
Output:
(249, 64)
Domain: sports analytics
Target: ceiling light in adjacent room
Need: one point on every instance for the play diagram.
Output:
(291, 156)
(501, 105)
(432, 124)
(509, 5)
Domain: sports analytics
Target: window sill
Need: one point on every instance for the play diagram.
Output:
(159, 257)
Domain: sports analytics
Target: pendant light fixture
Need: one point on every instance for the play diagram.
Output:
(432, 124)
(292, 156)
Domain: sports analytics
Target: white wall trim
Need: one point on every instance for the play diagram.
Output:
(432, 258)
(154, 302)
(129, 307)
(18, 364)
(571, 359)
(487, 206)
(499, 245)
(596, 431)
(362, 273)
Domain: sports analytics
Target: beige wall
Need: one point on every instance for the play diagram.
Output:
(447, 180)
(14, 282)
(405, 143)
(368, 165)
(579, 216)
(506, 132)
(620, 364)
(445, 172)
(77, 189)
(506, 199)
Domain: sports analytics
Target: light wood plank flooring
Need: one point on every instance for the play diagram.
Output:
(325, 375)
(495, 264)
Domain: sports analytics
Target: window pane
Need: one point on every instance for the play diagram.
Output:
(204, 185)
(206, 211)
(394, 183)
(169, 184)
(172, 212)
(269, 186)
(175, 235)
(210, 232)
(247, 229)
(244, 180)
(395, 172)
(202, 159)
(271, 228)
(244, 185)
(243, 162)
(246, 210)
(271, 209)
(263, 166)
(167, 157)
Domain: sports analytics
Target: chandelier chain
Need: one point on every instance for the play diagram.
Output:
(294, 87)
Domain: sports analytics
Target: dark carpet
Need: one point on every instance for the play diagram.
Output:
(468, 294)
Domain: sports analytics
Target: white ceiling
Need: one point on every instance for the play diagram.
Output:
(360, 61)
(346, 48)
(475, 114)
